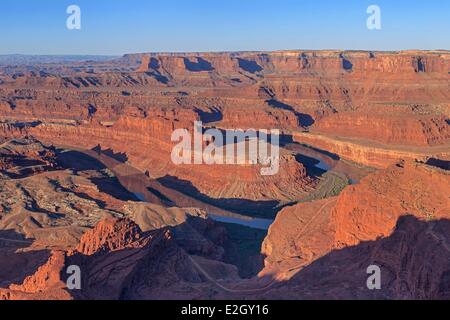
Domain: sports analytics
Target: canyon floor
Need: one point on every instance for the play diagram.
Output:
(87, 177)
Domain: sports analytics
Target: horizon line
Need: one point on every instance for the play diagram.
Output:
(217, 51)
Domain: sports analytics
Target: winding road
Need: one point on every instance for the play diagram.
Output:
(273, 280)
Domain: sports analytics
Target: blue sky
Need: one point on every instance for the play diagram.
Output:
(123, 26)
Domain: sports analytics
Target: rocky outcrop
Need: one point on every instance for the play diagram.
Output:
(45, 284)
(119, 261)
(110, 235)
(20, 158)
(413, 264)
(371, 210)
(382, 221)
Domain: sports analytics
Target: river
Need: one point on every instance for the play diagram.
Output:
(255, 223)
(137, 183)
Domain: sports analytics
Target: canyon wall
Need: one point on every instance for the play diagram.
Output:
(397, 219)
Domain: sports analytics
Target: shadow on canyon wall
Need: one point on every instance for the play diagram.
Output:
(304, 120)
(263, 209)
(78, 161)
(249, 65)
(213, 115)
(15, 264)
(310, 165)
(414, 262)
(443, 164)
(287, 140)
(152, 264)
(198, 66)
(119, 156)
(158, 77)
(156, 73)
(27, 167)
(347, 65)
(109, 184)
(234, 244)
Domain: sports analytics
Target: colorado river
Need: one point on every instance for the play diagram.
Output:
(255, 223)
(328, 162)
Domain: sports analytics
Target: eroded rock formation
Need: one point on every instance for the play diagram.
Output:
(383, 221)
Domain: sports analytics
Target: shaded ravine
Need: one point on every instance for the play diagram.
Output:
(330, 162)
(274, 280)
(255, 223)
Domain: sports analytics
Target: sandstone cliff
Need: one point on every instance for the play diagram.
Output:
(384, 220)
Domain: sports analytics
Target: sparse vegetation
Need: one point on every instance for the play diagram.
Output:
(330, 185)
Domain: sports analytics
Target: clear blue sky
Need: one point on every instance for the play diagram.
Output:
(123, 26)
